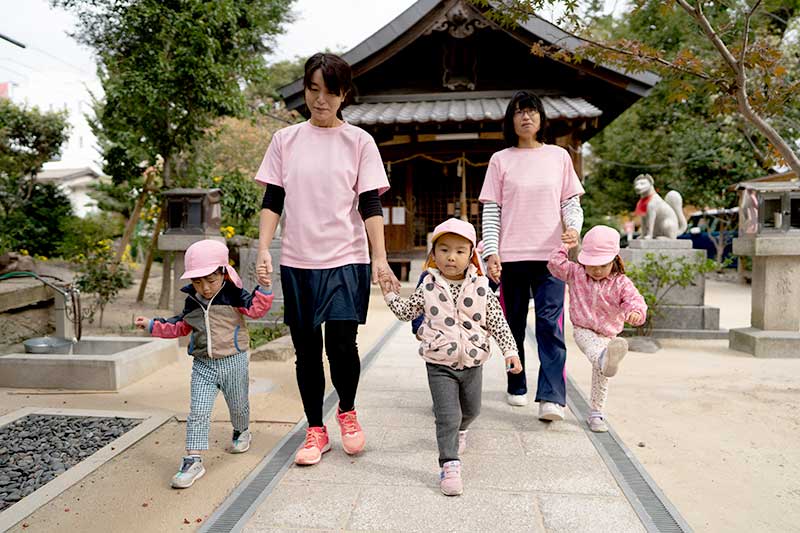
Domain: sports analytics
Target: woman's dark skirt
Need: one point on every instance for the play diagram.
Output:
(314, 296)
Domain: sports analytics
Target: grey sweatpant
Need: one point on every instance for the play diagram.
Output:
(456, 398)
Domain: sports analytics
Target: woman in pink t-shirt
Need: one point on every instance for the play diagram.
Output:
(327, 177)
(531, 197)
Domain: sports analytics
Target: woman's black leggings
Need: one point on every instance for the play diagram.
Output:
(345, 365)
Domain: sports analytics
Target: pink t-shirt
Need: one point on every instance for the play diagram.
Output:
(529, 184)
(323, 170)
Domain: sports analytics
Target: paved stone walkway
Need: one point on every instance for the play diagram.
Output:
(520, 474)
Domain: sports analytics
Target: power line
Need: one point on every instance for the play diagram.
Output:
(12, 41)
(48, 54)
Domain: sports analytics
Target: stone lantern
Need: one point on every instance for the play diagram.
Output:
(192, 215)
(769, 232)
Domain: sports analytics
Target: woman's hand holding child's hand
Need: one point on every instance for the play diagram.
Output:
(141, 322)
(634, 318)
(386, 282)
(570, 238)
(513, 365)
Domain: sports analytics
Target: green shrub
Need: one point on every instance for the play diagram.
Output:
(655, 277)
(37, 225)
(82, 234)
(99, 278)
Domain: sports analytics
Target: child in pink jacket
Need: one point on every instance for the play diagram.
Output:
(601, 299)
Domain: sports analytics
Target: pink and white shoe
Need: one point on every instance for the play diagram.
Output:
(317, 443)
(450, 479)
(353, 438)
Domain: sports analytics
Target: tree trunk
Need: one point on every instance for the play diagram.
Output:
(166, 281)
(149, 262)
(132, 221)
(166, 174)
(769, 132)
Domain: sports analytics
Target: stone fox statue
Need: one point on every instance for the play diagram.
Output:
(662, 218)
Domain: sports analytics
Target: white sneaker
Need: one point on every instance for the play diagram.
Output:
(616, 350)
(550, 411)
(191, 470)
(517, 400)
(241, 443)
(462, 442)
(597, 424)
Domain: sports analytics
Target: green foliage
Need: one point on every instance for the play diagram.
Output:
(37, 223)
(168, 69)
(28, 138)
(82, 234)
(99, 277)
(241, 201)
(260, 335)
(656, 276)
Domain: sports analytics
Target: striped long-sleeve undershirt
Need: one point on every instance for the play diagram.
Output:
(571, 216)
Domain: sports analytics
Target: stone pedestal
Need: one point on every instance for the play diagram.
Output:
(775, 312)
(683, 310)
(178, 243)
(247, 270)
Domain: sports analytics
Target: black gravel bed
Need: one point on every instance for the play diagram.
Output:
(36, 449)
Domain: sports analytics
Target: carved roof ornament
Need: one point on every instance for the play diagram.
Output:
(460, 21)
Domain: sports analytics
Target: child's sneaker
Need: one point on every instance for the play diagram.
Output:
(450, 479)
(353, 439)
(616, 350)
(462, 442)
(597, 424)
(517, 400)
(191, 470)
(316, 444)
(241, 441)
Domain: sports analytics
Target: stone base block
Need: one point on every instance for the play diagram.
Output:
(764, 343)
(96, 363)
(691, 295)
(699, 334)
(280, 349)
(660, 244)
(687, 317)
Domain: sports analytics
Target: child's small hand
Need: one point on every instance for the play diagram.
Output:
(141, 322)
(513, 365)
(570, 238)
(385, 282)
(634, 318)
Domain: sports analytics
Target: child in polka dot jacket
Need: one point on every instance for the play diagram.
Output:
(460, 313)
(601, 299)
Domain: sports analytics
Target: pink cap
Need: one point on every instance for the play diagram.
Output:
(600, 246)
(457, 226)
(462, 229)
(205, 257)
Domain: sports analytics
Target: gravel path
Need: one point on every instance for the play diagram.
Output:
(37, 448)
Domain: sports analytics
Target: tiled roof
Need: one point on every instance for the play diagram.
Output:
(460, 110)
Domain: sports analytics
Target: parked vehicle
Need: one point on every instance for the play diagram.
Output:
(703, 230)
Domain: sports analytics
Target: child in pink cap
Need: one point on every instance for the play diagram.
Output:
(213, 315)
(460, 314)
(601, 299)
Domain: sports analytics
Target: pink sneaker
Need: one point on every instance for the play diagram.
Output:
(316, 444)
(462, 442)
(450, 479)
(353, 439)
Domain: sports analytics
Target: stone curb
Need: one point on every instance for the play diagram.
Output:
(280, 349)
(150, 421)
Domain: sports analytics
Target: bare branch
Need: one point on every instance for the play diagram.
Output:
(746, 36)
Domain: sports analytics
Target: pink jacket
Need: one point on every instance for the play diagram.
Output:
(454, 333)
(600, 306)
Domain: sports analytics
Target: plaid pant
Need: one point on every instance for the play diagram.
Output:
(230, 375)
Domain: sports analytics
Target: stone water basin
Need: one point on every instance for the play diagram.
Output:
(94, 363)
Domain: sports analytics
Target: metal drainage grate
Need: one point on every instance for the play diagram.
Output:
(655, 511)
(234, 512)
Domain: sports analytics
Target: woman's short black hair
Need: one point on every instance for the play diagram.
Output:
(336, 73)
(523, 100)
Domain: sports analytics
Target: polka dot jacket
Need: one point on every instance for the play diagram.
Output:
(460, 316)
